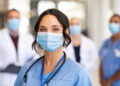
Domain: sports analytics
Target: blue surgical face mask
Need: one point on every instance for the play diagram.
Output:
(75, 29)
(50, 41)
(114, 28)
(13, 24)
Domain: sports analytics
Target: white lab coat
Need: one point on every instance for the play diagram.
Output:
(8, 54)
(88, 53)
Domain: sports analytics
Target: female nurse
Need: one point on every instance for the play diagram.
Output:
(54, 68)
(110, 55)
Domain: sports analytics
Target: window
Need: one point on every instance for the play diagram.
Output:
(44, 5)
(71, 9)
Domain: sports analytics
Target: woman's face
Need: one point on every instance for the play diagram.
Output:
(49, 23)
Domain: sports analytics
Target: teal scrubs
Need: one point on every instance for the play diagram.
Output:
(110, 55)
(70, 74)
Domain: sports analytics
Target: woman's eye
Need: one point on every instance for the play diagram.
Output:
(116, 22)
(55, 29)
(42, 29)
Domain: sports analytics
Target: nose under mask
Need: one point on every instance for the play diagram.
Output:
(114, 28)
(75, 29)
(13, 24)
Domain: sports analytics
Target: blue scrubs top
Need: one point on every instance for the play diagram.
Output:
(110, 54)
(70, 74)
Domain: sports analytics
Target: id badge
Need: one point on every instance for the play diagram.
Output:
(23, 84)
(117, 53)
(45, 85)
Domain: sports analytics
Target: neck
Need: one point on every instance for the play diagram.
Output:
(76, 40)
(75, 36)
(115, 37)
(52, 58)
(14, 33)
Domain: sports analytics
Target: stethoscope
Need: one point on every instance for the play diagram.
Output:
(25, 75)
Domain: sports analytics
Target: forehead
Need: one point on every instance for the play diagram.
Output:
(75, 21)
(115, 18)
(13, 13)
(49, 20)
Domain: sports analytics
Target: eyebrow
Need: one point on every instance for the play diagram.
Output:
(41, 26)
(51, 26)
(55, 26)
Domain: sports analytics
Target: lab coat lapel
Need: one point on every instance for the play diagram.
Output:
(10, 46)
(81, 47)
(21, 50)
(70, 51)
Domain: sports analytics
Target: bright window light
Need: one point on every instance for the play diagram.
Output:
(72, 9)
(44, 5)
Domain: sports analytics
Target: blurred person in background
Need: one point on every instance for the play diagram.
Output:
(110, 55)
(15, 48)
(82, 49)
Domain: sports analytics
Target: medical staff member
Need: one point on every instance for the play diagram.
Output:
(110, 55)
(15, 48)
(54, 68)
(82, 49)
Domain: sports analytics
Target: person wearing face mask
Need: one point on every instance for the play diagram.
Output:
(54, 68)
(15, 48)
(82, 49)
(110, 55)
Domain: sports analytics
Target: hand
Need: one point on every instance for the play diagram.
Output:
(103, 83)
(108, 83)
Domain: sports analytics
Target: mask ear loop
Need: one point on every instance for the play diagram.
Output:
(119, 27)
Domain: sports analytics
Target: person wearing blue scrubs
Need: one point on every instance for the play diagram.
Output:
(110, 55)
(54, 68)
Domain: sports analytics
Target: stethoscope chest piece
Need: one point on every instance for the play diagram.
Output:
(45, 85)
(23, 84)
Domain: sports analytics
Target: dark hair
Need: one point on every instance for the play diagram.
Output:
(11, 11)
(62, 18)
(115, 15)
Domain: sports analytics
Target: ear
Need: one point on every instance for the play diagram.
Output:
(68, 31)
